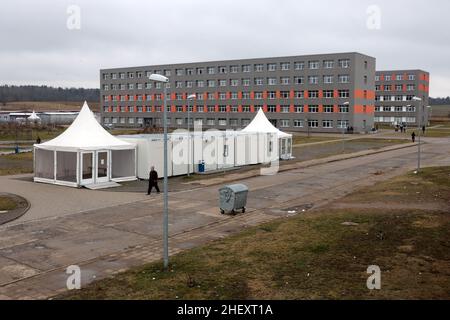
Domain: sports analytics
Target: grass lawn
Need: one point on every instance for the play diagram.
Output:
(311, 139)
(16, 163)
(7, 204)
(312, 255)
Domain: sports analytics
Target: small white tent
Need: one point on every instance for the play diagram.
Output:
(84, 154)
(261, 125)
(34, 117)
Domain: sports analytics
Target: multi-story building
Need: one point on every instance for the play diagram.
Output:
(394, 97)
(322, 93)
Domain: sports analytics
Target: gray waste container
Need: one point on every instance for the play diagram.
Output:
(233, 197)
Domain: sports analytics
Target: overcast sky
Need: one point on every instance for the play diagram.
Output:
(37, 47)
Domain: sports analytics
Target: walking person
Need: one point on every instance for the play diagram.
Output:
(38, 140)
(423, 130)
(413, 137)
(152, 180)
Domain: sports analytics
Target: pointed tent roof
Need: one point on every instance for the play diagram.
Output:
(33, 116)
(85, 133)
(261, 124)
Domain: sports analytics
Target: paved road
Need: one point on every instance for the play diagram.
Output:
(34, 254)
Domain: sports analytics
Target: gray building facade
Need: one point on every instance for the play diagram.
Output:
(394, 97)
(316, 93)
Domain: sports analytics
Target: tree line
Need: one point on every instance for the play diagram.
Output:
(440, 101)
(45, 93)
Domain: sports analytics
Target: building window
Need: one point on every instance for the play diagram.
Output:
(272, 109)
(327, 124)
(271, 66)
(399, 77)
(211, 70)
(258, 95)
(222, 69)
(411, 77)
(246, 68)
(298, 80)
(344, 93)
(223, 109)
(271, 94)
(234, 109)
(285, 80)
(271, 81)
(284, 123)
(245, 95)
(285, 109)
(313, 94)
(246, 109)
(299, 94)
(234, 69)
(299, 65)
(313, 79)
(200, 71)
(285, 66)
(189, 71)
(299, 109)
(313, 109)
(342, 124)
(298, 123)
(233, 122)
(222, 96)
(210, 122)
(200, 83)
(259, 81)
(344, 78)
(410, 87)
(211, 83)
(313, 123)
(222, 122)
(234, 82)
(328, 93)
(313, 65)
(343, 108)
(189, 84)
(387, 78)
(328, 64)
(222, 83)
(211, 96)
(344, 63)
(259, 67)
(328, 109)
(234, 95)
(284, 94)
(328, 79)
(377, 78)
(246, 82)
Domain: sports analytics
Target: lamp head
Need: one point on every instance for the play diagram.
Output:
(158, 78)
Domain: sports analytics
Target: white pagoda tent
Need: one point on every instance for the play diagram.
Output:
(34, 117)
(262, 126)
(85, 154)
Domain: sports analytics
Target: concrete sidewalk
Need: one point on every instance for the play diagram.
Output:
(35, 254)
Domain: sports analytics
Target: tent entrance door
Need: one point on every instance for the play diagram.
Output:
(102, 168)
(87, 168)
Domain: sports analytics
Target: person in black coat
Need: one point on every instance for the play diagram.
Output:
(413, 137)
(153, 180)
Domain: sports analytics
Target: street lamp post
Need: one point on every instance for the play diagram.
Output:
(164, 81)
(343, 127)
(189, 98)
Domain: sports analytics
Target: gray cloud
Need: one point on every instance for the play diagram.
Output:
(37, 47)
